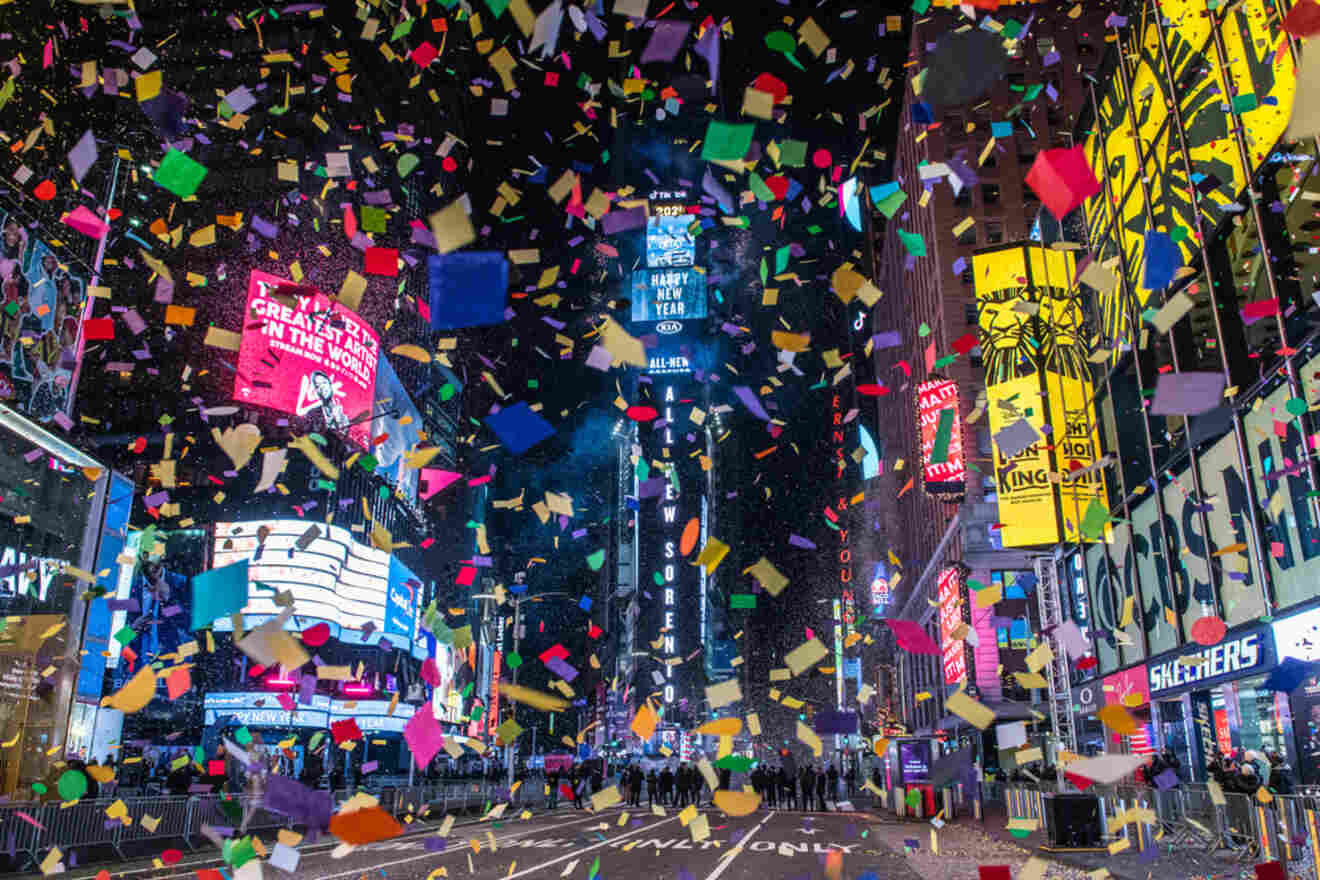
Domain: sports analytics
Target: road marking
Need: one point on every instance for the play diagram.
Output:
(737, 851)
(578, 854)
(322, 848)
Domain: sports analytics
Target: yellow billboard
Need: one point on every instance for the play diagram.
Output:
(1030, 319)
(1264, 82)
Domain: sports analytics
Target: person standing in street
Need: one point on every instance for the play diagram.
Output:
(666, 784)
(807, 782)
(832, 790)
(789, 786)
(821, 780)
(652, 780)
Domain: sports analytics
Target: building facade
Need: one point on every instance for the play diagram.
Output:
(962, 174)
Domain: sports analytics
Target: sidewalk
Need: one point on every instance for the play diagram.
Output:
(965, 845)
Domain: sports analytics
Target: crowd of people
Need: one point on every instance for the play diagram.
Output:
(811, 787)
(1245, 772)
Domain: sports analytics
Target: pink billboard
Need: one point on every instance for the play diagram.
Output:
(307, 355)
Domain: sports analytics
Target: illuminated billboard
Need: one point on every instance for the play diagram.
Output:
(309, 356)
(331, 577)
(668, 295)
(669, 241)
(1264, 83)
(879, 589)
(398, 422)
(943, 469)
(41, 326)
(954, 653)
(1030, 323)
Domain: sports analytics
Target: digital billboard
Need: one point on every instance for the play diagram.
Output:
(669, 243)
(262, 709)
(41, 325)
(397, 421)
(949, 596)
(668, 295)
(1265, 82)
(1030, 325)
(307, 355)
(943, 469)
(879, 589)
(332, 578)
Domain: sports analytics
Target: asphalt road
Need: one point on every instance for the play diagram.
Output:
(567, 843)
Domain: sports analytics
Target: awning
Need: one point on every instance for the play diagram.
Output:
(1005, 710)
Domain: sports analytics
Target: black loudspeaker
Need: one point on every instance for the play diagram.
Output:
(1073, 820)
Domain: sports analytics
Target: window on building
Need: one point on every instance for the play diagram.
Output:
(1054, 116)
(1044, 46)
(967, 237)
(989, 194)
(994, 231)
(1086, 52)
(964, 197)
(968, 278)
(1061, 139)
(1016, 79)
(969, 311)
(991, 162)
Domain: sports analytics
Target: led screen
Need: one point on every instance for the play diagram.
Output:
(332, 578)
(669, 244)
(308, 356)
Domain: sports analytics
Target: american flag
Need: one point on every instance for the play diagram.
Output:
(1139, 742)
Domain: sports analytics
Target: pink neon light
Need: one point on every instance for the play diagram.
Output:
(359, 689)
(280, 682)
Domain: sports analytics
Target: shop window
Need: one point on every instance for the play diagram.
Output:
(989, 194)
(994, 231)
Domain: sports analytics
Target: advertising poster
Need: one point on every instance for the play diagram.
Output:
(669, 244)
(1030, 322)
(955, 657)
(937, 416)
(307, 356)
(879, 589)
(397, 420)
(40, 323)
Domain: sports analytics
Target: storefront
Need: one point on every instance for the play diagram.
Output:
(1298, 636)
(1209, 699)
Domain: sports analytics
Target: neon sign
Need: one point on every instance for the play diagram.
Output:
(954, 655)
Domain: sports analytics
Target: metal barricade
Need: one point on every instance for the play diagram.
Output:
(170, 818)
(82, 823)
(22, 838)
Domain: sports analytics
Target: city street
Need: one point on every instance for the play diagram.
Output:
(568, 843)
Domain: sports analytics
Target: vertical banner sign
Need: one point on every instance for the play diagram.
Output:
(954, 654)
(845, 609)
(1030, 322)
(942, 467)
(493, 716)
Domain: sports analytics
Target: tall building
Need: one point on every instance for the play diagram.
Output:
(963, 175)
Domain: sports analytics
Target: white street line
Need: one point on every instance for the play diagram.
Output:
(511, 876)
(573, 855)
(724, 864)
(321, 848)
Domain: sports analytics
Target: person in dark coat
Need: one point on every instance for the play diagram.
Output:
(666, 785)
(726, 779)
(652, 782)
(832, 790)
(552, 782)
(788, 785)
(807, 782)
(821, 780)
